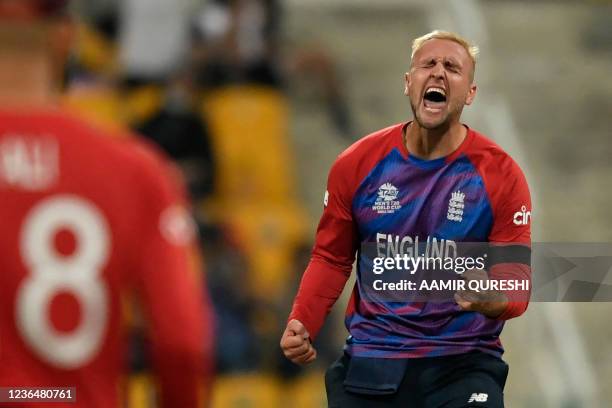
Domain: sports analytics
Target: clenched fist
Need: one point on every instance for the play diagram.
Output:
(490, 303)
(296, 345)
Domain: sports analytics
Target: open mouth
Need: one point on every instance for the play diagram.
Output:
(434, 98)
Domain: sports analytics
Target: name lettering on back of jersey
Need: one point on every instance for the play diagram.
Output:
(522, 217)
(386, 201)
(30, 164)
(455, 206)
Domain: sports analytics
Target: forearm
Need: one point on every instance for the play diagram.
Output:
(516, 301)
(322, 284)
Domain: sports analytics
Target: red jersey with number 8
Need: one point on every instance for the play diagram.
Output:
(85, 219)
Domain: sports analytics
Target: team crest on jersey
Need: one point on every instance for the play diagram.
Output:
(455, 206)
(386, 201)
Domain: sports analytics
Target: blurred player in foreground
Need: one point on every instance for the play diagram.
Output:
(86, 218)
(431, 178)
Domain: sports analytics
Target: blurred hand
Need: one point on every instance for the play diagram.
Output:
(490, 303)
(296, 345)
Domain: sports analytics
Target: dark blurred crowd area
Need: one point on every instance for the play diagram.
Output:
(206, 81)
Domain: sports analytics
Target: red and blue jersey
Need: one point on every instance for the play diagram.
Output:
(380, 195)
(89, 220)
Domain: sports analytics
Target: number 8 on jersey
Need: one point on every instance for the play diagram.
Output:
(51, 273)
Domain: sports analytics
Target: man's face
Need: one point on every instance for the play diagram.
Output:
(439, 83)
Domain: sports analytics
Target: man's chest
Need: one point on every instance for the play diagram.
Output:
(409, 198)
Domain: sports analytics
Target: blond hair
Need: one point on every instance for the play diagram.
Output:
(470, 48)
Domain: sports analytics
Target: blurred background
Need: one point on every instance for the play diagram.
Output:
(255, 98)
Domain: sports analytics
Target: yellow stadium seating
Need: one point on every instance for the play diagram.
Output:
(249, 126)
(256, 185)
(244, 391)
(140, 391)
(247, 391)
(141, 103)
(94, 51)
(108, 107)
(99, 104)
(269, 233)
(307, 391)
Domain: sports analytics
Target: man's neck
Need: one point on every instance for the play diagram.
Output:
(430, 144)
(26, 80)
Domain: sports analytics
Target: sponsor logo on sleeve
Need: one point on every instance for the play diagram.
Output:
(522, 217)
(177, 226)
